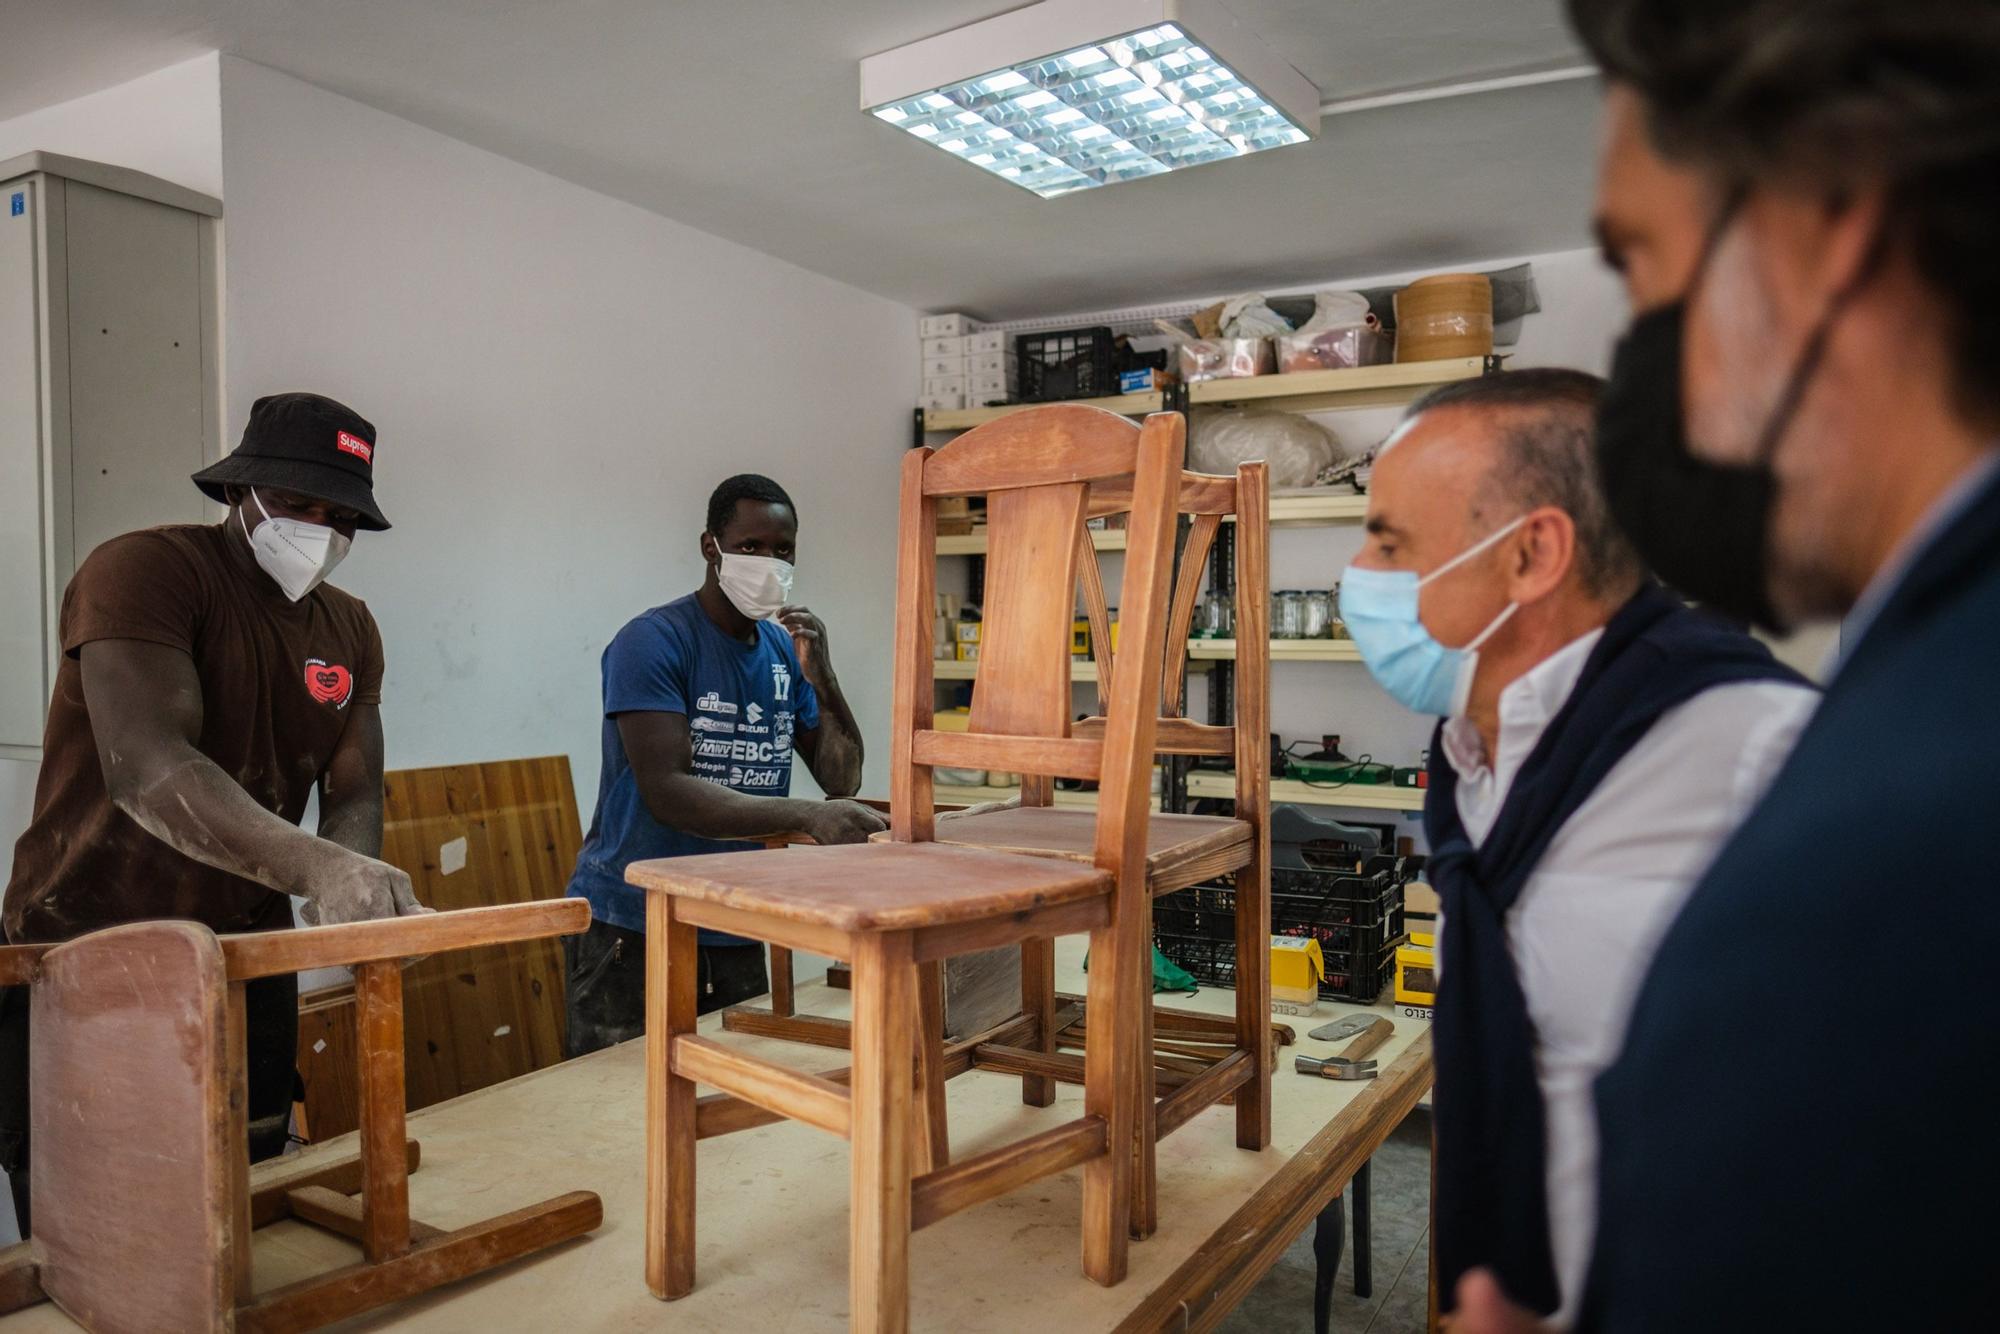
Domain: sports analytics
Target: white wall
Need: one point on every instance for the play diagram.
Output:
(558, 380)
(165, 123)
(168, 124)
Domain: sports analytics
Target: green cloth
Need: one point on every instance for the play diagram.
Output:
(1167, 975)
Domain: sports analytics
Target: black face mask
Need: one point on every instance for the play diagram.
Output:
(1704, 528)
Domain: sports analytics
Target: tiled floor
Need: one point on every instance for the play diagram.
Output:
(1282, 1303)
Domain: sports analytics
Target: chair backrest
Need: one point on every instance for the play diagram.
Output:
(1207, 501)
(1037, 469)
(132, 1165)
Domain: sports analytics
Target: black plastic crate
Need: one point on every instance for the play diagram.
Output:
(1357, 918)
(1065, 363)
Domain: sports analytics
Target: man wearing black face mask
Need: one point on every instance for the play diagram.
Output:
(1801, 196)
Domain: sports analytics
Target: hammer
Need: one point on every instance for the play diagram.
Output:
(1349, 1065)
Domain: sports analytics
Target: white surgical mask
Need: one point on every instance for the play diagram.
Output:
(758, 585)
(296, 554)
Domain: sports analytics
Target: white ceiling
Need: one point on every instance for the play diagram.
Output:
(739, 117)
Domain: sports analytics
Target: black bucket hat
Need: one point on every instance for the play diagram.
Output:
(306, 444)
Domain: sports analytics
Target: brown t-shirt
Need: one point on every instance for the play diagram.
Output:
(279, 681)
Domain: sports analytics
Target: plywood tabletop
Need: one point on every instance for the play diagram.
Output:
(772, 1223)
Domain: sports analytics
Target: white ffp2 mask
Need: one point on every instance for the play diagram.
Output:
(296, 554)
(759, 586)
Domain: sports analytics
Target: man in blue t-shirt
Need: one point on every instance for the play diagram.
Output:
(705, 699)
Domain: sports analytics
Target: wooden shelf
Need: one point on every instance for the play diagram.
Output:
(1363, 796)
(1302, 509)
(1358, 387)
(1080, 669)
(974, 544)
(1282, 650)
(1131, 405)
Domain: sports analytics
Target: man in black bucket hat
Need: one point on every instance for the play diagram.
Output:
(210, 682)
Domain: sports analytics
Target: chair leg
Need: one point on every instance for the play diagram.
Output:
(933, 1130)
(1038, 1000)
(885, 1014)
(670, 1117)
(1253, 995)
(236, 1058)
(1111, 1091)
(385, 1175)
(1145, 1162)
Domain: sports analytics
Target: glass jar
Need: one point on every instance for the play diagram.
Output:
(1288, 614)
(1336, 628)
(1218, 616)
(1316, 614)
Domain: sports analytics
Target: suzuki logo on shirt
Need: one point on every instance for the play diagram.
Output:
(714, 703)
(781, 681)
(753, 714)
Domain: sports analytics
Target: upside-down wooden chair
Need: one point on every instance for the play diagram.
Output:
(144, 1196)
(892, 908)
(1196, 1060)
(1181, 850)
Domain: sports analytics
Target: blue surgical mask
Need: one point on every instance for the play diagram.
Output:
(1380, 609)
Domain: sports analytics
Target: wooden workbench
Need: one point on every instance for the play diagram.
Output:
(772, 1224)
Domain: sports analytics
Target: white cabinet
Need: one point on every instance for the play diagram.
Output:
(109, 389)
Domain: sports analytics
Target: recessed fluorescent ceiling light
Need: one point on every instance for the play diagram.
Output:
(1069, 94)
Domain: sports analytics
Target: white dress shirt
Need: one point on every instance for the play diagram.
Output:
(1585, 926)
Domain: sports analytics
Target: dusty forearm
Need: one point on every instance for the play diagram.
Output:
(709, 810)
(355, 824)
(184, 800)
(836, 763)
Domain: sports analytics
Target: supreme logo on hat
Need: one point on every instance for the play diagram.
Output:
(355, 445)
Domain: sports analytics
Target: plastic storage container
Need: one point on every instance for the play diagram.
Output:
(1225, 358)
(1065, 363)
(1334, 349)
(1356, 916)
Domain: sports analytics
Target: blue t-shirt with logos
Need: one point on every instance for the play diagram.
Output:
(742, 703)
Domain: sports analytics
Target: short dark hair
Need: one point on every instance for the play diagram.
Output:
(1840, 95)
(1547, 431)
(743, 486)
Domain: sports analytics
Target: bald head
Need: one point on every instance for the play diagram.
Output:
(1489, 449)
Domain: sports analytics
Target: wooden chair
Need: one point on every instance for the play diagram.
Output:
(144, 1196)
(1181, 850)
(1196, 1060)
(892, 908)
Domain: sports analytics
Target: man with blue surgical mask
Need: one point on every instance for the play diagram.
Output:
(705, 701)
(1597, 742)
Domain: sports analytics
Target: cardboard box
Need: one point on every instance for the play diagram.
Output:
(944, 347)
(1296, 969)
(936, 366)
(941, 402)
(943, 326)
(1144, 380)
(991, 340)
(983, 389)
(966, 632)
(967, 652)
(1416, 970)
(993, 363)
(941, 385)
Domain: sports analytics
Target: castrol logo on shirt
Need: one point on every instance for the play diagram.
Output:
(329, 683)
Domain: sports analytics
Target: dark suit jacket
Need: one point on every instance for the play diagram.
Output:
(1803, 1131)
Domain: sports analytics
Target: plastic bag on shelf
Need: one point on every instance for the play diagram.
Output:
(1296, 447)
(1248, 316)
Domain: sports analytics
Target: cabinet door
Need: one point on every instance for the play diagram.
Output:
(24, 660)
(135, 363)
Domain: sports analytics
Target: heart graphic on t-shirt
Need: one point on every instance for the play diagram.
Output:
(327, 683)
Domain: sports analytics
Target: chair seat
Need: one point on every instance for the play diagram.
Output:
(874, 886)
(1181, 850)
